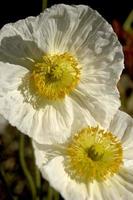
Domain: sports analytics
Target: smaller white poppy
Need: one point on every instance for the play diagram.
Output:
(93, 163)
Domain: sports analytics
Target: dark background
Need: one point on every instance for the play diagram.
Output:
(12, 10)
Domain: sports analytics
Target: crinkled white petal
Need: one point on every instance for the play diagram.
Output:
(102, 108)
(122, 184)
(98, 87)
(55, 174)
(59, 180)
(52, 122)
(114, 189)
(122, 127)
(12, 105)
(3, 124)
(58, 122)
(18, 45)
(82, 115)
(99, 192)
(40, 155)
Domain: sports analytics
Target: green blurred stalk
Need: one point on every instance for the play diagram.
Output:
(38, 182)
(50, 193)
(44, 4)
(25, 168)
(56, 195)
(127, 24)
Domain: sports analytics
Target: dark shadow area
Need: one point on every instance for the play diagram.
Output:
(18, 51)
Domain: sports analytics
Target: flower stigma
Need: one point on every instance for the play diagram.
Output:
(52, 78)
(93, 154)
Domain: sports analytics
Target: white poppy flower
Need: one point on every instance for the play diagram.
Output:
(93, 164)
(62, 64)
(3, 124)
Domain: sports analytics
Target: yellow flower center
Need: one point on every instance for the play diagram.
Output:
(93, 154)
(52, 78)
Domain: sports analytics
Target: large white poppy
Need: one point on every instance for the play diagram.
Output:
(63, 64)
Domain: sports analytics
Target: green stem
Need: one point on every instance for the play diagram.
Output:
(127, 24)
(38, 182)
(56, 195)
(44, 4)
(24, 167)
(37, 175)
(50, 193)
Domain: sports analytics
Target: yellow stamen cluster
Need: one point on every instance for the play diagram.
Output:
(53, 77)
(93, 154)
